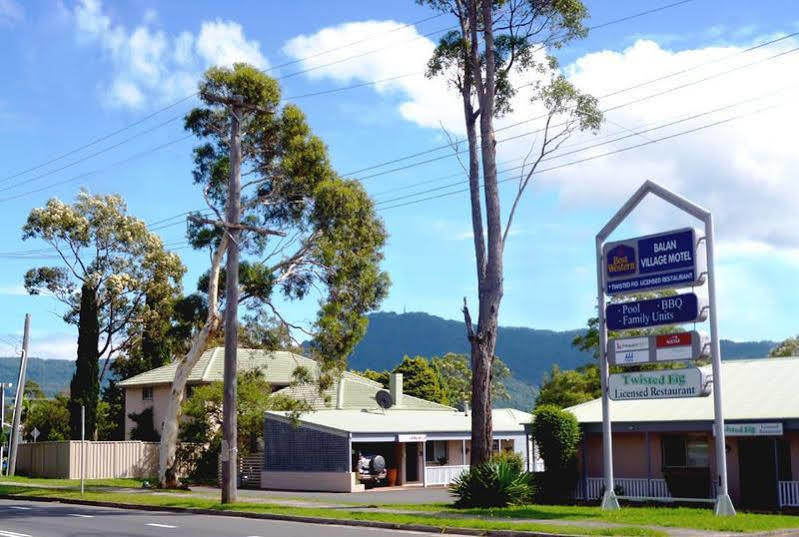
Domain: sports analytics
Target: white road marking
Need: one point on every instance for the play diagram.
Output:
(153, 524)
(4, 533)
(80, 515)
(19, 507)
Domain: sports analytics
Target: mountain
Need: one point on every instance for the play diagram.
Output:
(528, 352)
(52, 375)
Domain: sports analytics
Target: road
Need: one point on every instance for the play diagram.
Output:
(36, 519)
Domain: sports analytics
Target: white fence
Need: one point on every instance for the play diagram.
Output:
(443, 475)
(633, 487)
(789, 493)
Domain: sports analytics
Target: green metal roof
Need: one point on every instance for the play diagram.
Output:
(358, 393)
(754, 389)
(278, 366)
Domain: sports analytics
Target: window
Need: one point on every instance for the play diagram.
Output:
(147, 393)
(686, 452)
(189, 390)
(436, 451)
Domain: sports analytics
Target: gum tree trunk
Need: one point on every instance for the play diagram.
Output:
(167, 475)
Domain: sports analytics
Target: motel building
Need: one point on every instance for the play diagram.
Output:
(664, 448)
(422, 443)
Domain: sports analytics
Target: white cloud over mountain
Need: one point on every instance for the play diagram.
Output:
(152, 67)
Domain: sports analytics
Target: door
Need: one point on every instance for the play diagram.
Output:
(757, 470)
(411, 462)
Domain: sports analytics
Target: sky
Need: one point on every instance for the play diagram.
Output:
(688, 101)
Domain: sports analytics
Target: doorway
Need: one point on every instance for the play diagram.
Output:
(757, 471)
(411, 462)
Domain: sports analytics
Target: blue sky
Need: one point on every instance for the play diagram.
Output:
(75, 71)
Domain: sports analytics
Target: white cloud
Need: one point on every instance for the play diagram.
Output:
(42, 345)
(223, 43)
(13, 290)
(426, 102)
(742, 170)
(11, 13)
(151, 67)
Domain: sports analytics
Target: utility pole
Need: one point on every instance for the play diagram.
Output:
(3, 386)
(229, 454)
(12, 455)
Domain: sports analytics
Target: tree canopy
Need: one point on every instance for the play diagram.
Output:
(304, 232)
(109, 251)
(788, 347)
(111, 265)
(303, 229)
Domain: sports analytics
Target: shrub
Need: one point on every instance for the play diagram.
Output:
(557, 434)
(496, 483)
(512, 458)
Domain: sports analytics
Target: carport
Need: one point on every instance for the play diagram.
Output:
(426, 447)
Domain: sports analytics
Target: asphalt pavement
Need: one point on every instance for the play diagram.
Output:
(37, 519)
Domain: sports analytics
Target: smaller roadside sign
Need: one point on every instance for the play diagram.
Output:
(677, 309)
(666, 384)
(677, 347)
(753, 429)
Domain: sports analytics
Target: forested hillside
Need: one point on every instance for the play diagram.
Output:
(528, 352)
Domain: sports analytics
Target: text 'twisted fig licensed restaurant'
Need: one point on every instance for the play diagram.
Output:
(665, 447)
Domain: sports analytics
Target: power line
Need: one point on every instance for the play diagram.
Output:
(529, 133)
(594, 157)
(634, 133)
(336, 90)
(635, 101)
(361, 55)
(641, 14)
(353, 86)
(186, 98)
(616, 92)
(87, 157)
(97, 140)
(353, 43)
(94, 172)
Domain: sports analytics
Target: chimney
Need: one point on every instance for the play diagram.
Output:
(395, 387)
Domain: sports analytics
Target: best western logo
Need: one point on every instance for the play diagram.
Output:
(621, 260)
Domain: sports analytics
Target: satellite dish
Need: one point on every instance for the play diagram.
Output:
(384, 399)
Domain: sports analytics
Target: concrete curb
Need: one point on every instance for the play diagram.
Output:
(289, 518)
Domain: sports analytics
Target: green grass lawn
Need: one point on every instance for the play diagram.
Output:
(631, 519)
(430, 519)
(672, 517)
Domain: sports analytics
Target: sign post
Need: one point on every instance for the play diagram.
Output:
(661, 261)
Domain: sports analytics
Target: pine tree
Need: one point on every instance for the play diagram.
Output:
(85, 386)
